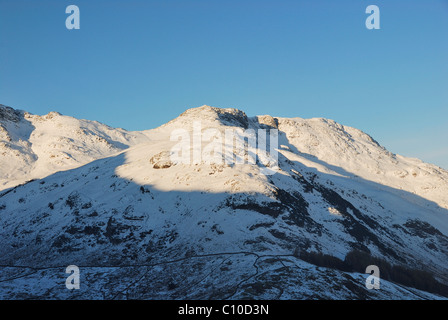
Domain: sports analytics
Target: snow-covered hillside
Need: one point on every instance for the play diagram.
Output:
(330, 146)
(143, 227)
(33, 146)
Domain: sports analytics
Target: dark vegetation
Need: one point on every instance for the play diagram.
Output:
(357, 261)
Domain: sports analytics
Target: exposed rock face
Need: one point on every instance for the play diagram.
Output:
(161, 160)
(233, 117)
(9, 114)
(269, 121)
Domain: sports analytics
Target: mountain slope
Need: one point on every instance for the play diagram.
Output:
(217, 231)
(351, 152)
(33, 146)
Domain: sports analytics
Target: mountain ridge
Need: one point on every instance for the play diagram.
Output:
(128, 214)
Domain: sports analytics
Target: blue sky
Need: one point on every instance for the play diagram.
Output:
(138, 64)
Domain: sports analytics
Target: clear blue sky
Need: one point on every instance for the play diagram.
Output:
(138, 64)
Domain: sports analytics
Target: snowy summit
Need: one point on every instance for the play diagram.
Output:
(78, 192)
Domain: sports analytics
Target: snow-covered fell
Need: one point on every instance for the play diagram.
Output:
(330, 146)
(143, 227)
(33, 146)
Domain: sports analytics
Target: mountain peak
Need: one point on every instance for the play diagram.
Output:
(205, 113)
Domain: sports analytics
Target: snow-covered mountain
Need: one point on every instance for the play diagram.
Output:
(141, 226)
(33, 146)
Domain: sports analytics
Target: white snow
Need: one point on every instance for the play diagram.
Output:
(127, 176)
(38, 146)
